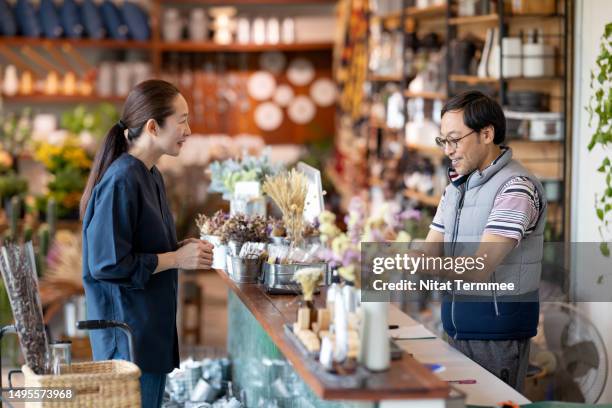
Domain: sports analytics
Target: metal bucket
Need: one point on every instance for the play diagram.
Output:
(244, 270)
(276, 275)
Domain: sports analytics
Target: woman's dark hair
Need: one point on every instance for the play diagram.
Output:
(479, 111)
(152, 99)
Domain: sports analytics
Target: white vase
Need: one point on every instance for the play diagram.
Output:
(375, 349)
(219, 251)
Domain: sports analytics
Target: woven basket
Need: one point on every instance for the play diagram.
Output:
(98, 384)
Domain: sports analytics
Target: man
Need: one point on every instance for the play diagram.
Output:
(495, 202)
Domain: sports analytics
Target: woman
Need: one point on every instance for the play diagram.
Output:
(130, 252)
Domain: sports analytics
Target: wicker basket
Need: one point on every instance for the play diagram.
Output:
(99, 384)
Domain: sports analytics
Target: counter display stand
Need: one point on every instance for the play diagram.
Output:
(268, 366)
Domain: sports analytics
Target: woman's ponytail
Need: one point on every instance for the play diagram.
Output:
(114, 145)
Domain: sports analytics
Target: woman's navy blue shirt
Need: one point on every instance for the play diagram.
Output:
(128, 222)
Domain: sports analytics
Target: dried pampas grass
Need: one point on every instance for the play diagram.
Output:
(288, 190)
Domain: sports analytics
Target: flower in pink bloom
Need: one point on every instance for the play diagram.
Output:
(351, 256)
(410, 214)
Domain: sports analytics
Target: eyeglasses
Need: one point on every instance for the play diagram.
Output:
(454, 143)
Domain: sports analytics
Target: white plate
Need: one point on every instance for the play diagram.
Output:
(272, 61)
(268, 116)
(323, 92)
(301, 110)
(300, 72)
(283, 95)
(261, 85)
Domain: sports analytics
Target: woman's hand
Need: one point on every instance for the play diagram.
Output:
(194, 254)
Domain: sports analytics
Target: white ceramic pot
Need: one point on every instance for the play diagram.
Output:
(219, 251)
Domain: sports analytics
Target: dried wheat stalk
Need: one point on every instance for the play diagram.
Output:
(288, 190)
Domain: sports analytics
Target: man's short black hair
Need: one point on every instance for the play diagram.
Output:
(479, 111)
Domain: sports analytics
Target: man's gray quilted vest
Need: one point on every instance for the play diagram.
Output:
(467, 209)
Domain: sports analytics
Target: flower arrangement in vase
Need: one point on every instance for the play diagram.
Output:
(211, 230)
(241, 228)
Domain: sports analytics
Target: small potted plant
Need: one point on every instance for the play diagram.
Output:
(211, 230)
(227, 175)
(241, 228)
(246, 237)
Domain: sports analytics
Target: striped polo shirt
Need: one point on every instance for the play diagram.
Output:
(515, 211)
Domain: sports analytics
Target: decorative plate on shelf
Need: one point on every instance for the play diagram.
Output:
(301, 110)
(323, 92)
(273, 61)
(283, 95)
(268, 116)
(300, 72)
(261, 85)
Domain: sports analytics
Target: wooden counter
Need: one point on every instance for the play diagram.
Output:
(406, 379)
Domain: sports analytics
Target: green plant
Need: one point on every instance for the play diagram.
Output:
(600, 112)
(69, 165)
(97, 121)
(15, 131)
(225, 174)
(12, 185)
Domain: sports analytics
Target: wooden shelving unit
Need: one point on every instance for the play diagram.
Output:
(473, 80)
(426, 12)
(484, 19)
(176, 60)
(77, 43)
(428, 200)
(187, 46)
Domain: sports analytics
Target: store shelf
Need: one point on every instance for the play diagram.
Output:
(189, 46)
(383, 126)
(428, 200)
(391, 17)
(40, 98)
(384, 78)
(535, 16)
(472, 79)
(484, 19)
(77, 43)
(545, 78)
(426, 12)
(425, 95)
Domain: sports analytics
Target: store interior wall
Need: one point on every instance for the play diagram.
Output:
(591, 17)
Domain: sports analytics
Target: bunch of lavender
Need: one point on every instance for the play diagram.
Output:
(242, 228)
(211, 225)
